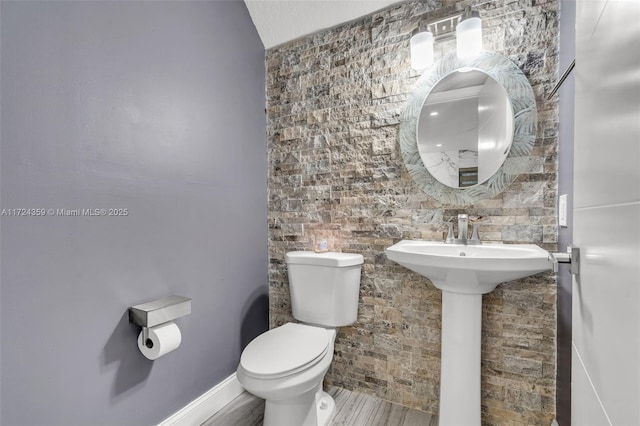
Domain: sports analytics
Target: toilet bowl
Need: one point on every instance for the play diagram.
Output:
(286, 365)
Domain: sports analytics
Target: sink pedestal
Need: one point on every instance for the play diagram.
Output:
(460, 361)
(464, 273)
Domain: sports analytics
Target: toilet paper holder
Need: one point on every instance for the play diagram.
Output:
(158, 312)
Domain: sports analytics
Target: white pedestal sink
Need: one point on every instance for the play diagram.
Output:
(464, 273)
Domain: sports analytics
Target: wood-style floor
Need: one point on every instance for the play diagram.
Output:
(352, 409)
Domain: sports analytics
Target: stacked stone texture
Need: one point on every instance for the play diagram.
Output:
(334, 101)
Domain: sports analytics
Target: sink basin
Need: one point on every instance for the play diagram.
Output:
(469, 269)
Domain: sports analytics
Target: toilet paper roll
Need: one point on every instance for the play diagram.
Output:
(162, 339)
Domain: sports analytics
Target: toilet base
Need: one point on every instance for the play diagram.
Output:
(310, 409)
(326, 408)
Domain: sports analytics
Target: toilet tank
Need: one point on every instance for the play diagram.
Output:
(324, 287)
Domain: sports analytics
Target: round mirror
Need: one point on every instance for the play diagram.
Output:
(468, 128)
(465, 128)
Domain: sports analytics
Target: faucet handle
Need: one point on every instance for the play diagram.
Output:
(475, 238)
(450, 238)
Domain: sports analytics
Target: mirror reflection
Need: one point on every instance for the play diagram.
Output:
(465, 128)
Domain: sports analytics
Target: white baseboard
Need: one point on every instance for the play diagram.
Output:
(207, 404)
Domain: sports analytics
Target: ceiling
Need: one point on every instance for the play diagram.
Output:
(279, 21)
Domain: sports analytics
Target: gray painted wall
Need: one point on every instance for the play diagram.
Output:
(566, 101)
(154, 107)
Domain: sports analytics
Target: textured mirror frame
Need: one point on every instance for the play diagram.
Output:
(523, 103)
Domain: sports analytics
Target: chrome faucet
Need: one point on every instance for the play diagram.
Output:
(463, 230)
(463, 227)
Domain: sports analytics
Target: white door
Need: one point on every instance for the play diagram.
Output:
(606, 294)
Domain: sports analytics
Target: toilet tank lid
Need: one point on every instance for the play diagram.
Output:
(323, 259)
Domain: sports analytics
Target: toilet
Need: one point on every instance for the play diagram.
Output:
(286, 365)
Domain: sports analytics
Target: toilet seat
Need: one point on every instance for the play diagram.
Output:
(284, 350)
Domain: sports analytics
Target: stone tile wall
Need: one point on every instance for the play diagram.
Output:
(335, 171)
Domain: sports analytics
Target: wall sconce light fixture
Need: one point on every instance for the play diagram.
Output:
(421, 50)
(466, 26)
(469, 35)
